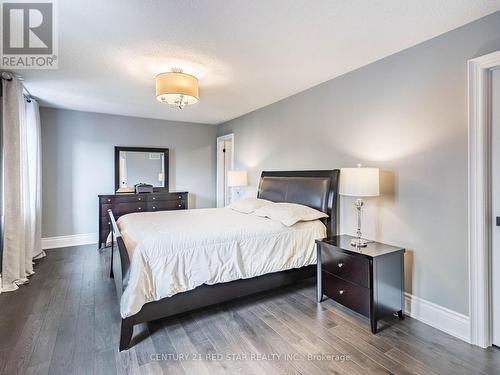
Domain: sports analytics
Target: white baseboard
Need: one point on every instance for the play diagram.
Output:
(439, 317)
(73, 240)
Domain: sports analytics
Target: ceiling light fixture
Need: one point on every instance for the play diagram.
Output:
(177, 88)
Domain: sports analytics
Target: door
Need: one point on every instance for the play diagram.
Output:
(225, 162)
(228, 165)
(496, 206)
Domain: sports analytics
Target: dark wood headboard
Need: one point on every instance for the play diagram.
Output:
(316, 189)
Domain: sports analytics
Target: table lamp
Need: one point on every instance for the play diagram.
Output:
(359, 182)
(237, 179)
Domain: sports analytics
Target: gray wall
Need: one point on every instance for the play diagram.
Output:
(406, 114)
(78, 163)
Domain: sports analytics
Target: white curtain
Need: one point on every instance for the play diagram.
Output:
(21, 190)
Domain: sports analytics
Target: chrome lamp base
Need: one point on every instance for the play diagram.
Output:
(359, 242)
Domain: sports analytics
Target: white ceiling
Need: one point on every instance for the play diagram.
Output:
(246, 54)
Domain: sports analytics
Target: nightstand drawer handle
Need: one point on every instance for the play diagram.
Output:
(154, 208)
(154, 198)
(341, 265)
(180, 197)
(139, 208)
(180, 205)
(341, 292)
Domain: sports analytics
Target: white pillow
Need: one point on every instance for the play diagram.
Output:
(248, 205)
(289, 213)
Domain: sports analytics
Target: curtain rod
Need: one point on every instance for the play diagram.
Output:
(8, 76)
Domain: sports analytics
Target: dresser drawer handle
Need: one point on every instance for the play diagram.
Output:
(341, 265)
(180, 196)
(341, 292)
(154, 198)
(154, 208)
(139, 198)
(180, 205)
(109, 200)
(139, 208)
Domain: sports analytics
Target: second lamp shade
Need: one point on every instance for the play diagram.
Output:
(359, 182)
(236, 178)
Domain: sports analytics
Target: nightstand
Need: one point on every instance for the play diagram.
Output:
(368, 280)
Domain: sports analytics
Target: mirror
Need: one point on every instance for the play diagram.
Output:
(134, 165)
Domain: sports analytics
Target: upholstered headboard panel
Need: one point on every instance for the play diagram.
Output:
(316, 189)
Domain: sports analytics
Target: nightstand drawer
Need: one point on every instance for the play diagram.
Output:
(349, 267)
(348, 294)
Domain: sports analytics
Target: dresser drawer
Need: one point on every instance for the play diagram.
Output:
(349, 267)
(166, 197)
(346, 293)
(106, 222)
(166, 205)
(107, 200)
(132, 198)
(123, 208)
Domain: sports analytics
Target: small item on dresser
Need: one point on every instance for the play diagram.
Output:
(143, 188)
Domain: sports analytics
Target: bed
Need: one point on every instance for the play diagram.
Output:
(167, 263)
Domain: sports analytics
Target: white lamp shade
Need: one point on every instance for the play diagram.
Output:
(236, 178)
(359, 182)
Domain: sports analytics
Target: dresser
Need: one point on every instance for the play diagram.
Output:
(368, 280)
(126, 203)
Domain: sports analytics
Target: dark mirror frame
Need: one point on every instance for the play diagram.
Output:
(164, 151)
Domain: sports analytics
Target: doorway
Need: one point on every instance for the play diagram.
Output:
(225, 163)
(484, 200)
(495, 197)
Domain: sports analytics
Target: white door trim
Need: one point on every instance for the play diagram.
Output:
(220, 166)
(479, 199)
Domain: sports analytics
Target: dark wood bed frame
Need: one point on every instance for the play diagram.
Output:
(316, 189)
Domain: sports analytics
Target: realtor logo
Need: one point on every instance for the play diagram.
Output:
(29, 37)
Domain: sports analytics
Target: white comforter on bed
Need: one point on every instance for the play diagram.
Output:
(176, 251)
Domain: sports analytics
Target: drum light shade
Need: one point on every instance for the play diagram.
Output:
(359, 182)
(177, 89)
(236, 178)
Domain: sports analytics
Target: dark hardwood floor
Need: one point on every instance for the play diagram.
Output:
(66, 321)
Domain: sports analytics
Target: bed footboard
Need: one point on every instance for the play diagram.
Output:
(120, 260)
(126, 331)
(202, 296)
(120, 265)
